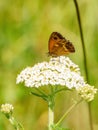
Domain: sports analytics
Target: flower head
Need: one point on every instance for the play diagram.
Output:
(7, 109)
(58, 71)
(87, 92)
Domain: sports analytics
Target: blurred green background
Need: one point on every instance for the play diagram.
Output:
(25, 27)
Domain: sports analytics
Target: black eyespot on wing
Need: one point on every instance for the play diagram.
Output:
(59, 35)
(55, 38)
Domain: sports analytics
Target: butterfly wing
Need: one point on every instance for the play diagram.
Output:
(69, 46)
(58, 45)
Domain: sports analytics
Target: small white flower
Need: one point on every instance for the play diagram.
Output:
(6, 108)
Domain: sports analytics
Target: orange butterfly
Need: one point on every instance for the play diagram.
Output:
(59, 45)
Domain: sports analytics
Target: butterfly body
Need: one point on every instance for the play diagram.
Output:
(59, 46)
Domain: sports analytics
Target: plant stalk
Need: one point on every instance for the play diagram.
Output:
(50, 116)
(67, 112)
(84, 55)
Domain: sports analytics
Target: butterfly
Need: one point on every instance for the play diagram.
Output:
(59, 45)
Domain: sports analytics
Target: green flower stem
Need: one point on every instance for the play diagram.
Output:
(50, 113)
(50, 118)
(67, 112)
(16, 125)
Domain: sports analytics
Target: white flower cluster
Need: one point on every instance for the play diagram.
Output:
(87, 92)
(6, 108)
(58, 71)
